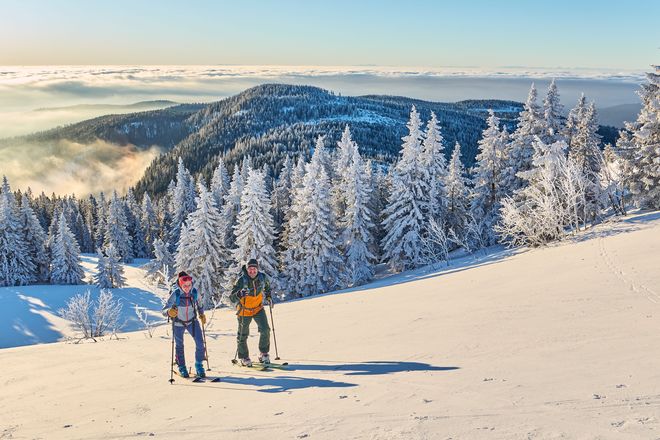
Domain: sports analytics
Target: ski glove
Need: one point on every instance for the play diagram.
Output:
(269, 300)
(202, 318)
(172, 312)
(242, 293)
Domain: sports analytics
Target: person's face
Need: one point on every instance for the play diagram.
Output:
(252, 271)
(186, 285)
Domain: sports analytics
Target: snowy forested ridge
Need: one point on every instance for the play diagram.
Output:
(321, 223)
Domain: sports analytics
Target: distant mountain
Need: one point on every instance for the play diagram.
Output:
(165, 127)
(618, 114)
(135, 107)
(270, 121)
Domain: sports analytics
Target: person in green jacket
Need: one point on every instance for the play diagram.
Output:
(249, 294)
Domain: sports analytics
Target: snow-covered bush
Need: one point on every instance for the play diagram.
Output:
(93, 319)
(143, 317)
(542, 211)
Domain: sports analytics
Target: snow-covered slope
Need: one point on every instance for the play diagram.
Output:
(560, 342)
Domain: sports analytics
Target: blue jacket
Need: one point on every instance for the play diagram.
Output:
(188, 306)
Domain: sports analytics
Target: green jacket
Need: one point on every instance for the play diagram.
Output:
(258, 289)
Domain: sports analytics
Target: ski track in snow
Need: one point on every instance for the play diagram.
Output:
(616, 268)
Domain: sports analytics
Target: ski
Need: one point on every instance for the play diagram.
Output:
(190, 378)
(208, 379)
(254, 365)
(282, 366)
(198, 379)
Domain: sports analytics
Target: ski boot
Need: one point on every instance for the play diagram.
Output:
(264, 358)
(199, 369)
(183, 371)
(246, 362)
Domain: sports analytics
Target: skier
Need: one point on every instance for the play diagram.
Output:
(183, 307)
(249, 294)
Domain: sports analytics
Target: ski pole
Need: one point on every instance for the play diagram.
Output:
(172, 359)
(206, 351)
(270, 305)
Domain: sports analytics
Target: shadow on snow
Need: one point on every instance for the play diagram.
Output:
(282, 383)
(278, 384)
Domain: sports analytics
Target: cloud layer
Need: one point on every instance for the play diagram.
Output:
(65, 167)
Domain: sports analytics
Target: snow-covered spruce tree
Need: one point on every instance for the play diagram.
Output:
(101, 221)
(101, 277)
(220, 183)
(644, 170)
(611, 181)
(553, 111)
(149, 224)
(292, 233)
(182, 201)
(584, 150)
(65, 265)
(110, 272)
(573, 119)
(458, 194)
(52, 231)
(71, 212)
(281, 197)
(200, 251)
(407, 203)
(231, 208)
(88, 208)
(254, 230)
(35, 240)
(356, 223)
(85, 234)
(319, 262)
(116, 233)
(161, 268)
(324, 157)
(114, 268)
(488, 180)
(135, 226)
(346, 148)
(377, 203)
(16, 266)
(246, 166)
(520, 150)
(433, 159)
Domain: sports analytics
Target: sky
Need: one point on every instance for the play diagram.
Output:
(477, 33)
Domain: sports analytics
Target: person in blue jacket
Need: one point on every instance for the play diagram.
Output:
(184, 308)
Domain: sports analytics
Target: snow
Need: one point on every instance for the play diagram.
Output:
(550, 343)
(33, 310)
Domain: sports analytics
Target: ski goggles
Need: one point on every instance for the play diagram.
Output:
(185, 279)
